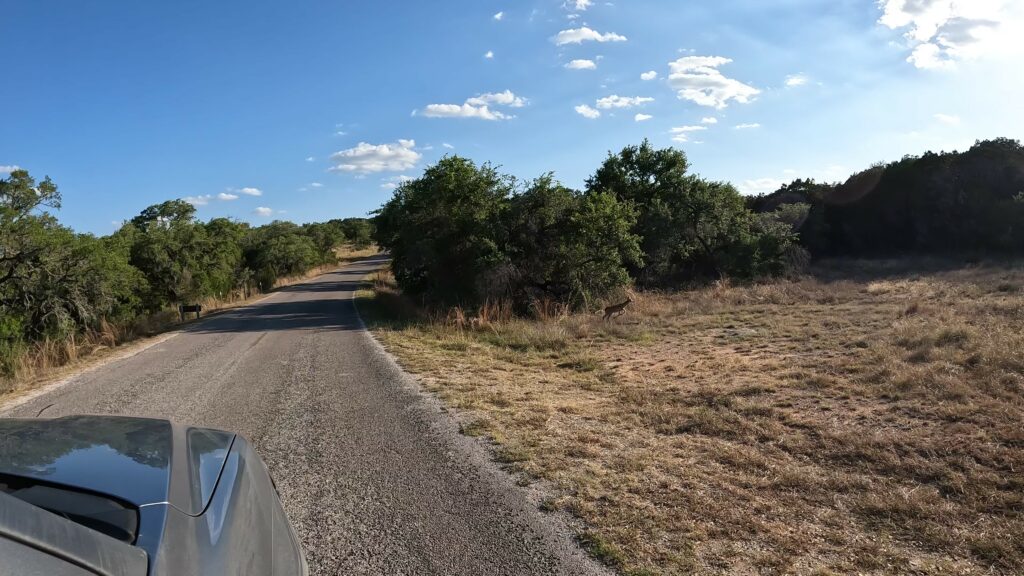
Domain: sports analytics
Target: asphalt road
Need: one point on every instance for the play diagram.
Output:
(372, 473)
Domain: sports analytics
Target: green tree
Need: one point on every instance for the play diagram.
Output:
(444, 231)
(567, 246)
(689, 227)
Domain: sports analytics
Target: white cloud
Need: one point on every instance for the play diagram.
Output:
(588, 112)
(615, 101)
(198, 200)
(394, 181)
(250, 191)
(341, 133)
(506, 98)
(697, 79)
(489, 54)
(580, 5)
(310, 159)
(948, 119)
(794, 80)
(447, 145)
(642, 117)
(709, 120)
(584, 34)
(225, 196)
(366, 158)
(940, 33)
(499, 16)
(749, 126)
(681, 133)
(315, 185)
(7, 169)
(477, 107)
(760, 185)
(649, 75)
(581, 65)
(263, 211)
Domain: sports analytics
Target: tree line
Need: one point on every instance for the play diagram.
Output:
(55, 283)
(466, 234)
(948, 203)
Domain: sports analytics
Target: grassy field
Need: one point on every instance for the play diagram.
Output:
(865, 419)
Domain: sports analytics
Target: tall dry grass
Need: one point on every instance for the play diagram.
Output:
(866, 421)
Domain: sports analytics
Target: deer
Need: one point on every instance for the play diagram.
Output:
(616, 310)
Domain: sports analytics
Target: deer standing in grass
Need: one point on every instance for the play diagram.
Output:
(616, 310)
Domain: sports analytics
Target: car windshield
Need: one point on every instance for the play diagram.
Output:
(101, 513)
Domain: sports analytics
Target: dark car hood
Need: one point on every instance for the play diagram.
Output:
(139, 460)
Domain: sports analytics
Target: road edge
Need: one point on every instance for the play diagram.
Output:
(559, 530)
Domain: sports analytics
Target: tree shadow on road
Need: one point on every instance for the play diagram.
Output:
(323, 304)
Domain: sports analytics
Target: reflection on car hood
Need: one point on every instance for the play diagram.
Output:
(139, 460)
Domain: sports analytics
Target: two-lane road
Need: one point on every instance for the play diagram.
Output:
(373, 475)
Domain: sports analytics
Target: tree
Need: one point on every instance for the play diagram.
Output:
(358, 231)
(567, 246)
(23, 222)
(689, 228)
(444, 230)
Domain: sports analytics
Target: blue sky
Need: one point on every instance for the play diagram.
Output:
(314, 110)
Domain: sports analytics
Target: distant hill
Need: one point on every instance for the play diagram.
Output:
(936, 203)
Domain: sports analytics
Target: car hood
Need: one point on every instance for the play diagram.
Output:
(139, 460)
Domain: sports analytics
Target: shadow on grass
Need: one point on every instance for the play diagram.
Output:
(388, 310)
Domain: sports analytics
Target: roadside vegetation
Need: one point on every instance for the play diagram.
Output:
(64, 295)
(827, 379)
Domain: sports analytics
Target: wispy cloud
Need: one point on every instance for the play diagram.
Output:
(760, 185)
(8, 168)
(681, 133)
(794, 80)
(709, 120)
(263, 212)
(616, 101)
(749, 126)
(584, 34)
(587, 111)
(489, 54)
(249, 191)
(642, 117)
(499, 16)
(948, 119)
(198, 200)
(477, 107)
(394, 181)
(647, 76)
(582, 65)
(225, 196)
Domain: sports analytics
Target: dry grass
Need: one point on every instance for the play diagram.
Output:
(350, 253)
(854, 422)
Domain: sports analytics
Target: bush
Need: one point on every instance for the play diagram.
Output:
(462, 234)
